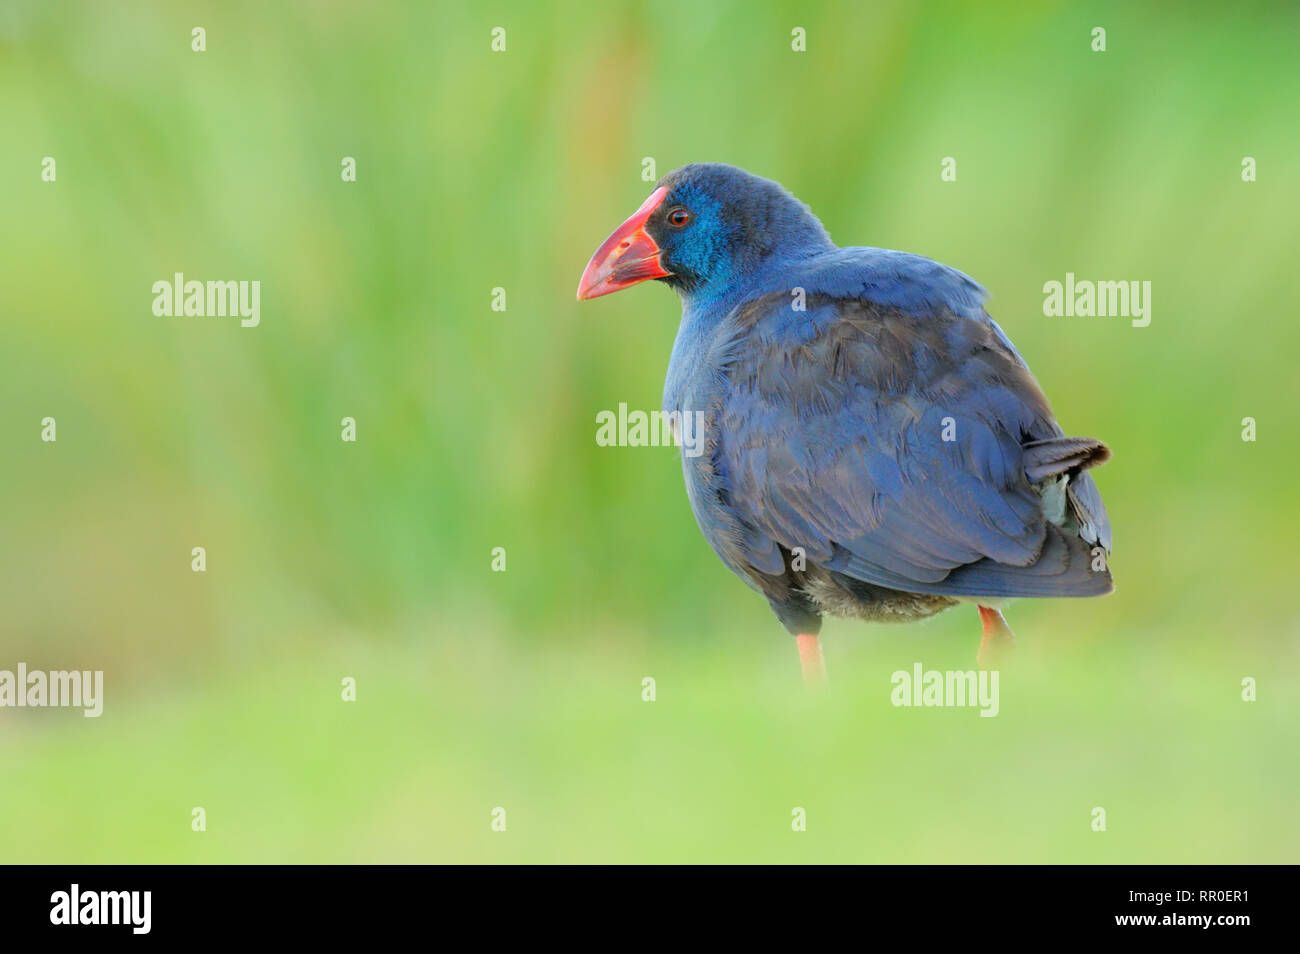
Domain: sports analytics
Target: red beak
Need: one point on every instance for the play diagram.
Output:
(627, 257)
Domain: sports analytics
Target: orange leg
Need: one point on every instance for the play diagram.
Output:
(810, 655)
(998, 638)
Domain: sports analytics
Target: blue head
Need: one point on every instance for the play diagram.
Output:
(706, 228)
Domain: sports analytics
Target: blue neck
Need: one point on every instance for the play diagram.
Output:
(716, 297)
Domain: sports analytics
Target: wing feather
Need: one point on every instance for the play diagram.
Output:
(889, 444)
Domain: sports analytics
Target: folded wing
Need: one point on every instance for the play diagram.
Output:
(911, 449)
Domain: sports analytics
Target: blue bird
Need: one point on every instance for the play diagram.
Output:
(873, 446)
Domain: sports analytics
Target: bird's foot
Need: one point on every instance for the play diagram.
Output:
(810, 656)
(998, 639)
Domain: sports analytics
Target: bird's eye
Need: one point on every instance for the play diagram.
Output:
(678, 217)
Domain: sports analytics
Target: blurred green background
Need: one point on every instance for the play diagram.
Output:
(475, 428)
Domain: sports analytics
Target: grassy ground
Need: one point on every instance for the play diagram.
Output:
(443, 734)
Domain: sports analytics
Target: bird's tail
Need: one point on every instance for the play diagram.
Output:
(1062, 455)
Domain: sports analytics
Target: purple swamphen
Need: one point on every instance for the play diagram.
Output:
(873, 445)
